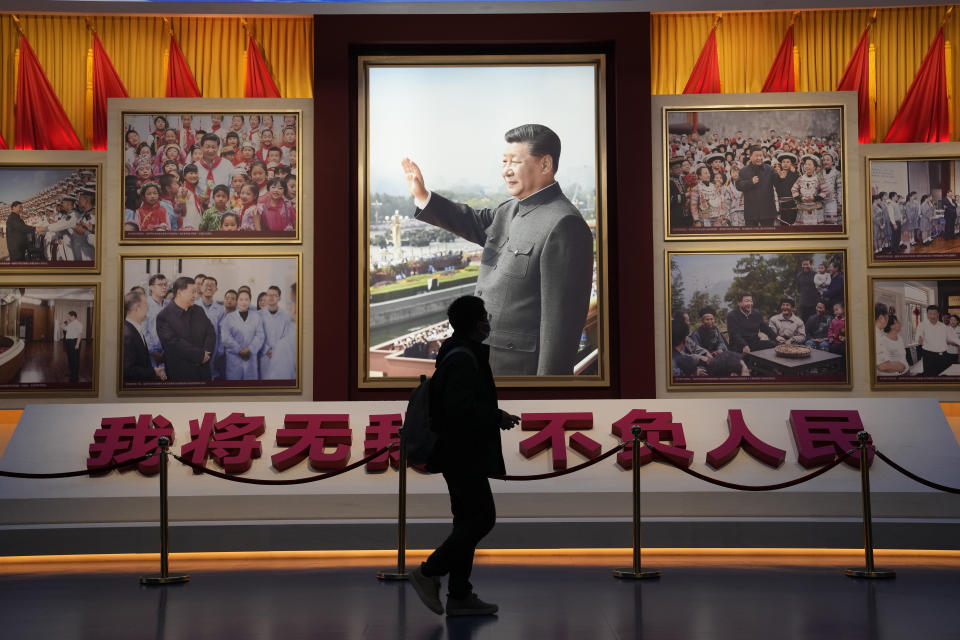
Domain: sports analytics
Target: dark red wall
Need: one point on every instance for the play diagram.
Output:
(624, 37)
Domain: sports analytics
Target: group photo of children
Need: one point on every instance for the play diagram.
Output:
(202, 175)
(746, 171)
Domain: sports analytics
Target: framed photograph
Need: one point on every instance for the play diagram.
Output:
(912, 199)
(760, 171)
(48, 214)
(209, 324)
(461, 195)
(916, 333)
(212, 176)
(757, 320)
(49, 339)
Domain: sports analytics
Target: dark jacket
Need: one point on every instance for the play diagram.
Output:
(743, 330)
(185, 335)
(806, 290)
(834, 292)
(759, 200)
(136, 358)
(19, 237)
(817, 326)
(464, 411)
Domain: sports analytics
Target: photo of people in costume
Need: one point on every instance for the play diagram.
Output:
(913, 210)
(757, 318)
(754, 171)
(517, 220)
(48, 216)
(48, 338)
(916, 336)
(229, 176)
(210, 322)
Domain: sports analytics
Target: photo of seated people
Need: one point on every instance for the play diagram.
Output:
(916, 330)
(914, 210)
(210, 175)
(210, 322)
(47, 339)
(48, 217)
(755, 171)
(769, 317)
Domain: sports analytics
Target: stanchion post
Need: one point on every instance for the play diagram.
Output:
(870, 571)
(401, 571)
(636, 572)
(163, 443)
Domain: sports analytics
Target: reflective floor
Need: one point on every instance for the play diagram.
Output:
(550, 602)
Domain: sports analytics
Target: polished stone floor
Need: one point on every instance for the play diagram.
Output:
(550, 602)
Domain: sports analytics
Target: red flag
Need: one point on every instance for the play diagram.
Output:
(856, 77)
(259, 83)
(180, 82)
(41, 122)
(781, 76)
(923, 114)
(106, 84)
(705, 77)
(3, 145)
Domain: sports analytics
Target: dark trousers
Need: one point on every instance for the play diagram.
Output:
(73, 359)
(935, 363)
(474, 515)
(950, 225)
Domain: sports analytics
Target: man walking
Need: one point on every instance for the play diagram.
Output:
(463, 402)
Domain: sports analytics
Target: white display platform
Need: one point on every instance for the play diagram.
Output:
(589, 508)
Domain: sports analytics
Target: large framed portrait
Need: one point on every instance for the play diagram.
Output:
(197, 171)
(912, 200)
(916, 333)
(209, 324)
(466, 195)
(49, 206)
(49, 339)
(757, 320)
(744, 169)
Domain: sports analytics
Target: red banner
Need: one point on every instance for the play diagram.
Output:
(180, 81)
(41, 122)
(923, 114)
(106, 84)
(705, 77)
(856, 77)
(259, 83)
(781, 76)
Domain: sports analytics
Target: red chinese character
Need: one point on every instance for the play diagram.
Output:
(821, 434)
(311, 434)
(127, 438)
(382, 430)
(552, 427)
(742, 438)
(657, 428)
(233, 442)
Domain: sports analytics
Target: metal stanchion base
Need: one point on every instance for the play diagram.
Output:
(635, 575)
(392, 575)
(160, 579)
(876, 573)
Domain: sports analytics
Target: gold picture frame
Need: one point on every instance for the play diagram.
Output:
(907, 309)
(64, 170)
(751, 107)
(211, 388)
(898, 175)
(379, 364)
(126, 109)
(16, 355)
(767, 370)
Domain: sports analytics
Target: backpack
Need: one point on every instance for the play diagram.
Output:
(420, 434)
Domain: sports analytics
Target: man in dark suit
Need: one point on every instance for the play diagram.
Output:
(834, 292)
(745, 324)
(19, 233)
(949, 216)
(187, 336)
(463, 402)
(759, 197)
(679, 213)
(536, 270)
(806, 290)
(136, 357)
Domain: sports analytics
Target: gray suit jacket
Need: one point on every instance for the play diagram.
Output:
(535, 277)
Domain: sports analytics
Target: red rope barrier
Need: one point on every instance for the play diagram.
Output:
(562, 472)
(74, 474)
(915, 477)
